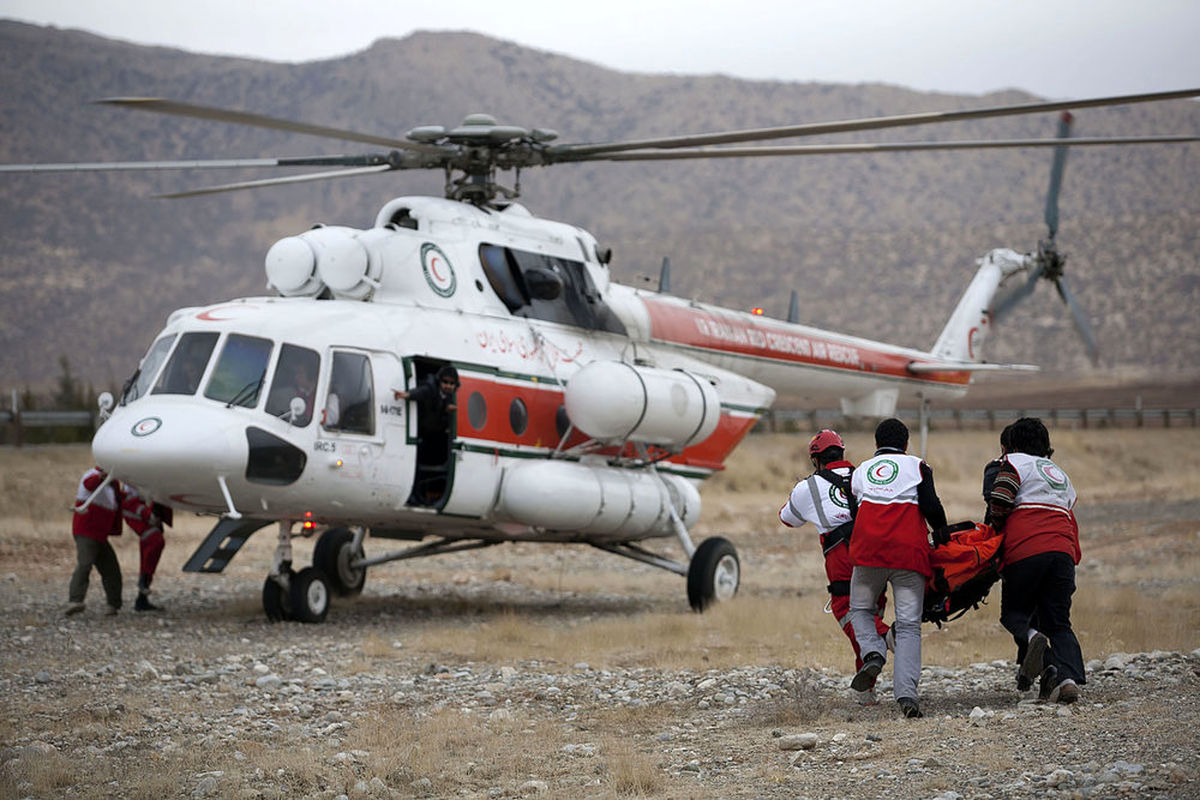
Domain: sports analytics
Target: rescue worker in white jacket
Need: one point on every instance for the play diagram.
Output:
(824, 499)
(1032, 502)
(896, 501)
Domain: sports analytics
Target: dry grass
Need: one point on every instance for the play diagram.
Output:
(1137, 584)
(1138, 591)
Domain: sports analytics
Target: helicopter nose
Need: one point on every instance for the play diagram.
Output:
(173, 448)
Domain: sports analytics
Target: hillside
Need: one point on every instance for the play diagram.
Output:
(878, 246)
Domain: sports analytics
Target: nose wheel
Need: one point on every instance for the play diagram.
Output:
(277, 597)
(310, 595)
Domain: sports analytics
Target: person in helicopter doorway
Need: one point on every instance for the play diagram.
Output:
(91, 529)
(436, 405)
(147, 520)
(824, 499)
(1032, 502)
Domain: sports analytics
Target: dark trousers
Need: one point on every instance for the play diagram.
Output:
(1042, 585)
(91, 553)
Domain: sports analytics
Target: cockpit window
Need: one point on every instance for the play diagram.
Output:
(546, 287)
(240, 371)
(295, 376)
(187, 364)
(139, 384)
(503, 275)
(350, 406)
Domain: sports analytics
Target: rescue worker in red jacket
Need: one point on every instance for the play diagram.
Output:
(1032, 501)
(143, 517)
(896, 501)
(91, 529)
(824, 499)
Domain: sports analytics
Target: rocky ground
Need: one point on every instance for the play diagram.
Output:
(208, 700)
(527, 671)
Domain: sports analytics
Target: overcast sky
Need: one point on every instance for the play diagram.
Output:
(1052, 48)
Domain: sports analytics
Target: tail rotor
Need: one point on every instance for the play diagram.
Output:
(1049, 262)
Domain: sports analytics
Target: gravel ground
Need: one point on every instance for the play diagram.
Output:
(217, 699)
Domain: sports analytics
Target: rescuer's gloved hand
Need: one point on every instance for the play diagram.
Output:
(941, 536)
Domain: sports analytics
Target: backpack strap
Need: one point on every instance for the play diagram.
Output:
(843, 483)
(842, 532)
(816, 498)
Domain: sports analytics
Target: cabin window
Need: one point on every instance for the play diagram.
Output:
(241, 369)
(518, 416)
(477, 411)
(187, 364)
(142, 379)
(296, 373)
(350, 405)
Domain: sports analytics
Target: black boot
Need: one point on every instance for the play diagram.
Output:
(143, 604)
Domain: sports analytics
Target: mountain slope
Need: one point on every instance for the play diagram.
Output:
(878, 246)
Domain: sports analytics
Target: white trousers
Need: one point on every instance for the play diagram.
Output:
(908, 598)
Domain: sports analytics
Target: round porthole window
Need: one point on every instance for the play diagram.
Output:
(518, 416)
(477, 411)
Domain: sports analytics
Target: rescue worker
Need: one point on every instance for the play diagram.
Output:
(896, 501)
(435, 399)
(91, 529)
(824, 499)
(1032, 502)
(144, 518)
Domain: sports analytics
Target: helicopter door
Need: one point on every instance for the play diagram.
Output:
(364, 427)
(432, 427)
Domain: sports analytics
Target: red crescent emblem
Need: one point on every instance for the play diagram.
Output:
(433, 268)
(210, 314)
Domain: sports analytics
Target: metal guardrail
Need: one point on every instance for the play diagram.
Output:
(963, 419)
(783, 419)
(15, 424)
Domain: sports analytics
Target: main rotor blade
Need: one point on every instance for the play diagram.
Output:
(872, 123)
(1056, 175)
(312, 176)
(861, 147)
(175, 108)
(1080, 320)
(212, 163)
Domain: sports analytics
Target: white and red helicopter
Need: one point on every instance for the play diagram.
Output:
(587, 412)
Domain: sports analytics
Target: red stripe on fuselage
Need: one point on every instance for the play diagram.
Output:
(706, 330)
(542, 402)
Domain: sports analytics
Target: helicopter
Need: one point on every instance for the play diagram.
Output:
(583, 411)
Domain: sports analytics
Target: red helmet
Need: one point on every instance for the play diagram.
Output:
(824, 440)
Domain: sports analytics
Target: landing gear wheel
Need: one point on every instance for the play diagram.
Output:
(276, 599)
(713, 574)
(333, 554)
(310, 595)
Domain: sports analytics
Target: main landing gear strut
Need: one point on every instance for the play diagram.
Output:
(339, 567)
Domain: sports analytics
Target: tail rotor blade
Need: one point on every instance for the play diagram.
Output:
(1080, 320)
(1056, 174)
(1007, 303)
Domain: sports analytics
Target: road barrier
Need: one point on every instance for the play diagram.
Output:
(14, 425)
(783, 419)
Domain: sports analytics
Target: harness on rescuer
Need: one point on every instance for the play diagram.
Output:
(964, 570)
